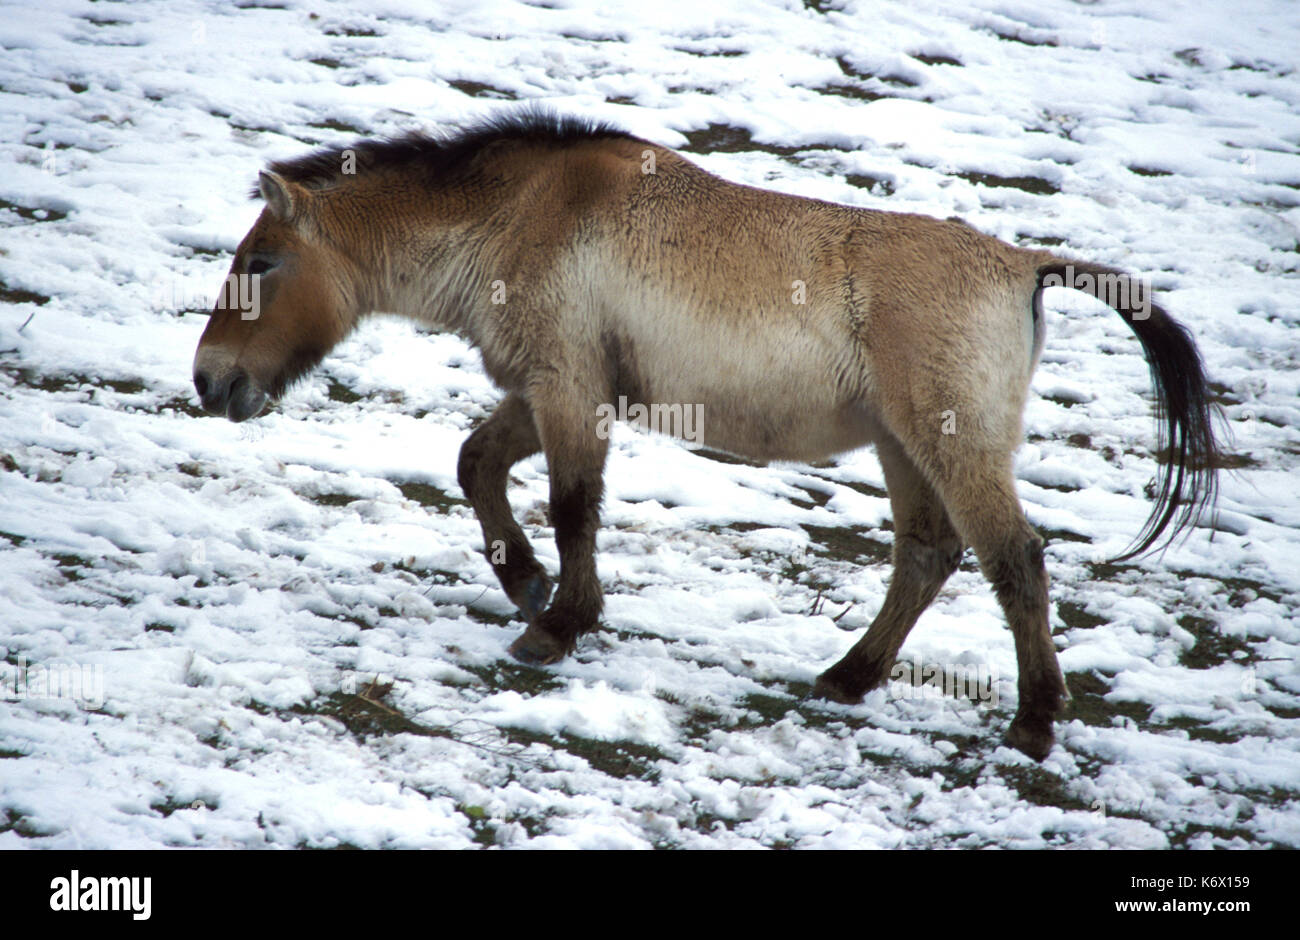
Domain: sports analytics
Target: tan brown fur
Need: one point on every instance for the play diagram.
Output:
(675, 286)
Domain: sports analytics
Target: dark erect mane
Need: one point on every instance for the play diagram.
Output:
(443, 155)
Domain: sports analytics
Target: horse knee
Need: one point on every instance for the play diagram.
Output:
(468, 464)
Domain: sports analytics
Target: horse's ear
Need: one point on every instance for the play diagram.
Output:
(284, 199)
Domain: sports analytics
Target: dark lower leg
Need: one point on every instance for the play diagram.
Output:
(919, 573)
(926, 552)
(575, 457)
(507, 437)
(1019, 577)
(1011, 557)
(575, 610)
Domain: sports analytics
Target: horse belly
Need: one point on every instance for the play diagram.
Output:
(762, 389)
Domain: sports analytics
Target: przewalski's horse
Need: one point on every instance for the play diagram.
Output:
(588, 265)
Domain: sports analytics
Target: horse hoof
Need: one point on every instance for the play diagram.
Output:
(1032, 738)
(537, 591)
(535, 648)
(827, 688)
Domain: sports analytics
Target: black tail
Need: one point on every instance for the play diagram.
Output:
(1184, 413)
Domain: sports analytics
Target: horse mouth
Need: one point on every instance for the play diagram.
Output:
(246, 400)
(238, 398)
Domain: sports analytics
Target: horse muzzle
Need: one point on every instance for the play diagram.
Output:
(232, 393)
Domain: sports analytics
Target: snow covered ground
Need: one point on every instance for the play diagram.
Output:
(286, 633)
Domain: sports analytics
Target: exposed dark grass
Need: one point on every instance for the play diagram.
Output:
(1029, 184)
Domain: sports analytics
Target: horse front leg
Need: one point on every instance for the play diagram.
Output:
(567, 421)
(504, 439)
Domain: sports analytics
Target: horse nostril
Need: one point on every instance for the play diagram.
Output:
(212, 392)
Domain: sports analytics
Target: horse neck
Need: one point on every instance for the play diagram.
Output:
(411, 261)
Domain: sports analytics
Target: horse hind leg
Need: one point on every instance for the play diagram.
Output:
(974, 503)
(508, 436)
(980, 496)
(926, 551)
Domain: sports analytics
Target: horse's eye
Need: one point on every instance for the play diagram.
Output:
(259, 266)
